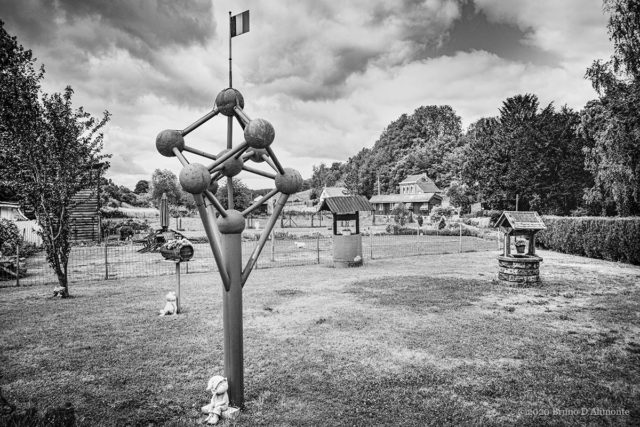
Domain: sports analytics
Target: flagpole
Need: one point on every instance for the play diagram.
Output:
(230, 127)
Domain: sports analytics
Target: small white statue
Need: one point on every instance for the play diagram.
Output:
(219, 401)
(171, 307)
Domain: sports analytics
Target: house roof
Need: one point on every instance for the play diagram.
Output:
(413, 178)
(345, 204)
(428, 186)
(335, 192)
(405, 198)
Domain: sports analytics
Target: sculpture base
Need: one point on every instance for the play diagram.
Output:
(519, 270)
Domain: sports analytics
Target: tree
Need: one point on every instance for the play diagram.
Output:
(528, 152)
(612, 124)
(48, 149)
(141, 187)
(241, 195)
(165, 181)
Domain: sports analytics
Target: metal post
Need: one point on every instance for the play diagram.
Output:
(318, 246)
(178, 290)
(18, 264)
(460, 247)
(273, 246)
(232, 319)
(371, 242)
(106, 259)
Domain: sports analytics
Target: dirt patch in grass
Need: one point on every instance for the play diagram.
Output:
(413, 341)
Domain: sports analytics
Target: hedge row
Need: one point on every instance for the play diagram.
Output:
(613, 239)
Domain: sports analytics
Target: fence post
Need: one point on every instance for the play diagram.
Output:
(273, 246)
(106, 259)
(18, 264)
(371, 243)
(460, 246)
(318, 246)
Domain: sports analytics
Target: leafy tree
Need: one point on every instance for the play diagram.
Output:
(142, 187)
(241, 195)
(165, 181)
(460, 195)
(47, 149)
(528, 152)
(612, 124)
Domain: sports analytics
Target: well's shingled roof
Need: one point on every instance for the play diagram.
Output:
(345, 204)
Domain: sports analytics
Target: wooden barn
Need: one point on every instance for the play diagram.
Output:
(84, 213)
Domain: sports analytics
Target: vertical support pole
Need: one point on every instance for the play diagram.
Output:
(18, 263)
(273, 246)
(318, 246)
(460, 246)
(178, 299)
(106, 259)
(371, 243)
(232, 318)
(532, 243)
(507, 244)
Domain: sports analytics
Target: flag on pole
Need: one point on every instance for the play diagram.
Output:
(240, 23)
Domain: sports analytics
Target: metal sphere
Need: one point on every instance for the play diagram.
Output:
(257, 155)
(167, 140)
(227, 99)
(259, 133)
(232, 166)
(195, 178)
(233, 223)
(290, 182)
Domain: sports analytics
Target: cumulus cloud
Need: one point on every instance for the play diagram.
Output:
(329, 75)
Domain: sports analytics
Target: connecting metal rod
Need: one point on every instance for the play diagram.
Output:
(216, 176)
(258, 172)
(209, 223)
(180, 157)
(257, 204)
(242, 117)
(200, 152)
(232, 152)
(276, 163)
(270, 163)
(216, 203)
(277, 209)
(200, 121)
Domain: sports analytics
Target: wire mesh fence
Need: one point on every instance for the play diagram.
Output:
(117, 260)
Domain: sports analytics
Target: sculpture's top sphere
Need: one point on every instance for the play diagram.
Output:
(232, 166)
(195, 178)
(167, 140)
(290, 182)
(259, 133)
(227, 99)
(257, 155)
(233, 223)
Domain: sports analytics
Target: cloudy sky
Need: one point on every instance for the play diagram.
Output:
(329, 75)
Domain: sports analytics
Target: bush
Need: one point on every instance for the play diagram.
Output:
(612, 239)
(124, 228)
(10, 238)
(112, 213)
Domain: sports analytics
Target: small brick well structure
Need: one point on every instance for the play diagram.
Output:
(521, 268)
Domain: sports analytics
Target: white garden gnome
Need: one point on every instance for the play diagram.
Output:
(219, 401)
(171, 307)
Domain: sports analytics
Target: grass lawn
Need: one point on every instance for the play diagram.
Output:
(405, 341)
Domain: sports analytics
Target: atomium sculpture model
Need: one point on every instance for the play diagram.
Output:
(224, 233)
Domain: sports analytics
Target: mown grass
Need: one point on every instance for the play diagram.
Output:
(380, 345)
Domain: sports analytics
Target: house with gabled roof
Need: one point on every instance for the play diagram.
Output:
(418, 193)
